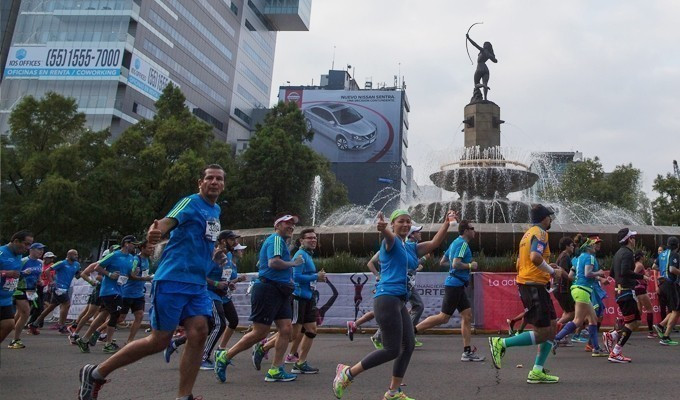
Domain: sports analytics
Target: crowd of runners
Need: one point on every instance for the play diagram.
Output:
(197, 271)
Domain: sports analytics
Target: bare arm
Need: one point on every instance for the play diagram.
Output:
(459, 264)
(444, 261)
(431, 245)
(278, 263)
(371, 264)
(593, 274)
(85, 274)
(389, 235)
(160, 228)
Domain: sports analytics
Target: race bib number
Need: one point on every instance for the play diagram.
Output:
(226, 274)
(10, 284)
(60, 292)
(212, 230)
(122, 280)
(145, 274)
(312, 285)
(31, 295)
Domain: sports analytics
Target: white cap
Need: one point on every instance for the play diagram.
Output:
(49, 254)
(414, 229)
(240, 247)
(287, 218)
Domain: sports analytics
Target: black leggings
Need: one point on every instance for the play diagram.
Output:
(397, 335)
(230, 314)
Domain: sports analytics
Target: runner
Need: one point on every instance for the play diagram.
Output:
(229, 310)
(43, 288)
(179, 294)
(270, 300)
(65, 271)
(10, 272)
(26, 291)
(133, 290)
(455, 298)
(669, 269)
(623, 266)
(116, 269)
(396, 256)
(533, 276)
(583, 293)
(92, 308)
(644, 302)
(563, 291)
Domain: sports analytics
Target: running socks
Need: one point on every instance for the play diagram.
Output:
(523, 339)
(625, 334)
(570, 327)
(96, 375)
(543, 351)
(592, 330)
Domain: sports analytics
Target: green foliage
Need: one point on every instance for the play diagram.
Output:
(666, 207)
(342, 262)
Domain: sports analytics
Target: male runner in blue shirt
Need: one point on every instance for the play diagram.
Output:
(10, 270)
(64, 270)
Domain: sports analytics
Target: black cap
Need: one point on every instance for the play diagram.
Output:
(539, 212)
(672, 242)
(129, 238)
(227, 235)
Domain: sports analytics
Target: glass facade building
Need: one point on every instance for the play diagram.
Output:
(116, 56)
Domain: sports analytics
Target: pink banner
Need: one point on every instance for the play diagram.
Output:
(497, 299)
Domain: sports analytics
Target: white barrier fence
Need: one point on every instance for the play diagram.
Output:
(343, 298)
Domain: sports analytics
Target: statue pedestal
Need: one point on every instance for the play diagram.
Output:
(482, 125)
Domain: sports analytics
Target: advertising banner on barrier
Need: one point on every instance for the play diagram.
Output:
(67, 62)
(497, 299)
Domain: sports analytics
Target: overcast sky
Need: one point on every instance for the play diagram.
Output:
(600, 77)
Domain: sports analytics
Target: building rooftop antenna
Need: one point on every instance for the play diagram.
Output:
(333, 62)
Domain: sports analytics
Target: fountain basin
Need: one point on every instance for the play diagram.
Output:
(487, 181)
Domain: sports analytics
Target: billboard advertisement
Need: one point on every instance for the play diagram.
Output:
(351, 126)
(147, 77)
(60, 62)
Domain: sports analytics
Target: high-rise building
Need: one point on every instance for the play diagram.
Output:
(362, 132)
(9, 9)
(116, 56)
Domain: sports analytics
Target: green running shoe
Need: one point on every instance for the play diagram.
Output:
(111, 348)
(399, 396)
(541, 377)
(279, 375)
(83, 345)
(497, 351)
(341, 381)
(668, 342)
(221, 362)
(377, 343)
(419, 343)
(258, 355)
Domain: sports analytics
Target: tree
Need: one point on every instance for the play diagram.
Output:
(278, 169)
(666, 207)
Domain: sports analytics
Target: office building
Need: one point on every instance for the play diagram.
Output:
(116, 56)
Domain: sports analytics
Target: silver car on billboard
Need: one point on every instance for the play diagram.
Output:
(341, 123)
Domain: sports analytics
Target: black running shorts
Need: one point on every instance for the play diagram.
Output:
(132, 304)
(112, 304)
(304, 310)
(629, 308)
(6, 312)
(455, 298)
(538, 306)
(669, 291)
(269, 303)
(565, 301)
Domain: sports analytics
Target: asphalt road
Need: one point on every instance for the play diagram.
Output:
(48, 369)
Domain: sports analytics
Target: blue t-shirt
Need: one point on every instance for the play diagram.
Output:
(458, 249)
(187, 256)
(30, 273)
(65, 271)
(581, 280)
(135, 289)
(115, 262)
(394, 265)
(275, 246)
(304, 276)
(8, 262)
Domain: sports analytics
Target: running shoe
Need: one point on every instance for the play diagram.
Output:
(668, 342)
(377, 343)
(89, 387)
(72, 329)
(351, 328)
(341, 381)
(398, 396)
(418, 343)
(279, 375)
(565, 342)
(497, 351)
(579, 339)
(608, 341)
(169, 350)
(111, 348)
(93, 338)
(63, 330)
(660, 330)
(102, 337)
(207, 365)
(72, 338)
(304, 368)
(221, 363)
(471, 356)
(291, 359)
(16, 344)
(618, 358)
(511, 329)
(588, 348)
(541, 377)
(258, 355)
(652, 335)
(599, 353)
(83, 345)
(33, 329)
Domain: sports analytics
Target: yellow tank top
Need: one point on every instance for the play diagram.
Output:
(526, 270)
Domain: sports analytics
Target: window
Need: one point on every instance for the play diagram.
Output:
(323, 114)
(245, 117)
(254, 78)
(208, 118)
(261, 17)
(250, 26)
(202, 29)
(347, 116)
(143, 111)
(234, 8)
